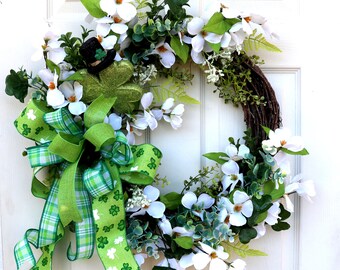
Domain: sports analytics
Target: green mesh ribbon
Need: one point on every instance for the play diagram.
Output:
(89, 198)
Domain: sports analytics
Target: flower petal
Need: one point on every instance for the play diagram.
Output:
(55, 98)
(56, 55)
(201, 260)
(186, 260)
(213, 38)
(247, 208)
(178, 110)
(197, 57)
(109, 42)
(195, 26)
(231, 150)
(126, 11)
(151, 193)
(103, 29)
(168, 104)
(108, 6)
(197, 43)
(205, 200)
(230, 167)
(217, 264)
(77, 108)
(115, 121)
(46, 76)
(189, 199)
(167, 59)
(240, 197)
(156, 209)
(119, 28)
(67, 89)
(146, 100)
(237, 219)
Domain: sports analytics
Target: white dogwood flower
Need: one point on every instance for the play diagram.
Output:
(240, 209)
(215, 258)
(195, 28)
(150, 205)
(73, 94)
(54, 97)
(231, 176)
(123, 8)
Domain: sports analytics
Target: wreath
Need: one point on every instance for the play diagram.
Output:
(98, 91)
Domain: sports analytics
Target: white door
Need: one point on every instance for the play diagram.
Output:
(303, 76)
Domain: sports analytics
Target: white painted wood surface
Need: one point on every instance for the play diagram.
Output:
(304, 77)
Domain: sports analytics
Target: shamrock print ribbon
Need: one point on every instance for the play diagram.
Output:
(77, 189)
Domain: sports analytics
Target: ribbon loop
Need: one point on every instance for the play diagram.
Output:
(120, 151)
(62, 121)
(40, 156)
(100, 135)
(98, 180)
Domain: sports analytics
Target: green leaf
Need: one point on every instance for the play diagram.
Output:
(216, 156)
(303, 152)
(256, 42)
(181, 50)
(17, 84)
(52, 66)
(93, 7)
(185, 242)
(176, 5)
(77, 76)
(246, 234)
(170, 88)
(266, 129)
(281, 226)
(217, 24)
(188, 100)
(284, 214)
(171, 200)
(269, 188)
(241, 250)
(261, 217)
(215, 47)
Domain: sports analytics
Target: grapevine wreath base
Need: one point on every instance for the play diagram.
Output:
(98, 91)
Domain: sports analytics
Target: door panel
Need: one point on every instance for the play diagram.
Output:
(206, 126)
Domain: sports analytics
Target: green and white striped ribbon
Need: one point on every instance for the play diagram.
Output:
(62, 121)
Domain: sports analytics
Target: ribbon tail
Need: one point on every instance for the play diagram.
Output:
(109, 215)
(85, 230)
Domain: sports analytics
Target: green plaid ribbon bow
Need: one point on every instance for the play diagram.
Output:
(90, 199)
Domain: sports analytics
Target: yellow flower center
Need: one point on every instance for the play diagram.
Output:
(213, 255)
(227, 220)
(72, 99)
(100, 39)
(283, 142)
(51, 86)
(161, 49)
(233, 177)
(238, 207)
(117, 19)
(247, 19)
(119, 2)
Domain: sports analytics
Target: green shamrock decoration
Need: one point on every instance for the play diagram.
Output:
(113, 82)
